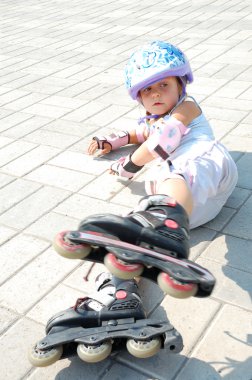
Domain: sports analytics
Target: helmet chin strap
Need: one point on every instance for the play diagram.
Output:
(147, 117)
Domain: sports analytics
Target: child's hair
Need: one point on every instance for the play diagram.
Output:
(154, 62)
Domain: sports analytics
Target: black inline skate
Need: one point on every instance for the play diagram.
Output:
(151, 242)
(113, 315)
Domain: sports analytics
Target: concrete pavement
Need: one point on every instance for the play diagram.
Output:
(61, 81)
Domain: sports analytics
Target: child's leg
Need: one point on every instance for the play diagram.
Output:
(179, 190)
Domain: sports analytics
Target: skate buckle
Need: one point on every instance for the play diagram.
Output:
(121, 295)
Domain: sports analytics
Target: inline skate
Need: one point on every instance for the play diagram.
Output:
(112, 316)
(152, 242)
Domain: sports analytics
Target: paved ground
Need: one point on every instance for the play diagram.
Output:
(60, 83)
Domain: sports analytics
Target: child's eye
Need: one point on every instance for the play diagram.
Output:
(163, 84)
(147, 89)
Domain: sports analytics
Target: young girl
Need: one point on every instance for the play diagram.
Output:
(192, 167)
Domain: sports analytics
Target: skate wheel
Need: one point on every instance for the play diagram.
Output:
(121, 269)
(143, 348)
(66, 248)
(39, 358)
(175, 288)
(94, 354)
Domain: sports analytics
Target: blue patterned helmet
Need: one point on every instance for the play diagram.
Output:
(154, 62)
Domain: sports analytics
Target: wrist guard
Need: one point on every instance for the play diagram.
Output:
(124, 167)
(114, 140)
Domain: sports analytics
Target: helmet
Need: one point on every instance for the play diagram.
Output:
(154, 62)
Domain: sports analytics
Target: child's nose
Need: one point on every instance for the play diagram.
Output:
(155, 94)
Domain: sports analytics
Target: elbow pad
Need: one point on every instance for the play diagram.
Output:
(166, 137)
(115, 140)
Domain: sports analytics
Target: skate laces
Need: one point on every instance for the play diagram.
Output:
(102, 279)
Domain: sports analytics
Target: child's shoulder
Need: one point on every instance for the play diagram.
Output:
(187, 111)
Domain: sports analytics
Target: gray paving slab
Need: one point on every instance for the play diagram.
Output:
(61, 82)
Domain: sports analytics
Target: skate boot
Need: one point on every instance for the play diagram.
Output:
(152, 242)
(113, 315)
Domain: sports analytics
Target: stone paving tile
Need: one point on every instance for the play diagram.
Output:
(55, 268)
(51, 138)
(6, 233)
(181, 314)
(238, 144)
(61, 298)
(22, 214)
(162, 366)
(11, 119)
(229, 360)
(230, 251)
(5, 179)
(243, 130)
(23, 81)
(48, 225)
(17, 252)
(17, 353)
(225, 114)
(60, 101)
(111, 113)
(14, 150)
(85, 111)
(243, 163)
(199, 239)
(48, 85)
(12, 96)
(80, 162)
(7, 318)
(248, 119)
(26, 127)
(71, 128)
(221, 127)
(232, 285)
(103, 187)
(25, 101)
(65, 368)
(46, 110)
(19, 189)
(118, 371)
(238, 197)
(77, 280)
(78, 206)
(221, 219)
(4, 113)
(230, 103)
(5, 141)
(60, 177)
(30, 161)
(239, 225)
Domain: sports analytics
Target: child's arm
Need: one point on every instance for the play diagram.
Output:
(117, 140)
(166, 138)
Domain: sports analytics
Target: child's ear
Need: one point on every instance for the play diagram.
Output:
(180, 87)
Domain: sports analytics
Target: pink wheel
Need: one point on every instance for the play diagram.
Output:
(66, 248)
(121, 269)
(175, 288)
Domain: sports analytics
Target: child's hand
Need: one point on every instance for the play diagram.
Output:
(115, 166)
(93, 146)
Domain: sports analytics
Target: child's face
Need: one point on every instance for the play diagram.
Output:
(161, 97)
